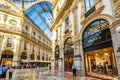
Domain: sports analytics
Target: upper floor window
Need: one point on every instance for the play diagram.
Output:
(39, 37)
(9, 42)
(13, 22)
(89, 4)
(43, 40)
(33, 49)
(66, 23)
(27, 28)
(34, 33)
(25, 45)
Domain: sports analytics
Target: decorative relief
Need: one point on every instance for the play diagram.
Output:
(116, 4)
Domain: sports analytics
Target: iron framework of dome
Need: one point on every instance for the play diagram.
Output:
(41, 15)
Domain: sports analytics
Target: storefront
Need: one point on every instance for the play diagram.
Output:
(98, 49)
(7, 58)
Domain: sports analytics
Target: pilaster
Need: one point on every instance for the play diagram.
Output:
(116, 45)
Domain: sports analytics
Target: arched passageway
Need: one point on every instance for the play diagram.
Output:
(68, 54)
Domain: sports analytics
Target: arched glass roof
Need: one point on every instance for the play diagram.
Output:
(41, 15)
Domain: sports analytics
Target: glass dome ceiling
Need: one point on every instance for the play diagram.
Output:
(41, 15)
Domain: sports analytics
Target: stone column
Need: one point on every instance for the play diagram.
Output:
(16, 51)
(28, 49)
(77, 57)
(53, 61)
(82, 62)
(61, 60)
(116, 45)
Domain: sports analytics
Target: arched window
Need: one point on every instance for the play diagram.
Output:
(32, 56)
(68, 49)
(42, 57)
(7, 54)
(96, 33)
(38, 57)
(89, 4)
(23, 55)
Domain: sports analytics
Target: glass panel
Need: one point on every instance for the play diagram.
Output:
(41, 15)
(38, 21)
(89, 4)
(33, 15)
(94, 34)
(92, 2)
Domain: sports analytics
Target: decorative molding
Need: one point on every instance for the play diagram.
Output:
(116, 5)
(96, 12)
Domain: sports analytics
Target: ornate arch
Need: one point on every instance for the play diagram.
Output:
(7, 50)
(67, 45)
(70, 36)
(102, 16)
(8, 53)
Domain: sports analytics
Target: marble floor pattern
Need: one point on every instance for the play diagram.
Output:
(45, 74)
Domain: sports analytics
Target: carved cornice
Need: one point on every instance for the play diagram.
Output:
(95, 13)
(11, 12)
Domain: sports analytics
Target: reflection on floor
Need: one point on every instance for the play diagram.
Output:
(36, 74)
(45, 74)
(104, 77)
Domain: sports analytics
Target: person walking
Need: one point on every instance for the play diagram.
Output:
(11, 73)
(3, 71)
(74, 70)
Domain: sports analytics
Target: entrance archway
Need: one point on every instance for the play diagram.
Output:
(68, 54)
(7, 58)
(98, 50)
(57, 55)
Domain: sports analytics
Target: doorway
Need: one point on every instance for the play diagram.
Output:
(101, 62)
(68, 63)
(7, 58)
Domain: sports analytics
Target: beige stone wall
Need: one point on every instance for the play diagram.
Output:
(14, 27)
(78, 22)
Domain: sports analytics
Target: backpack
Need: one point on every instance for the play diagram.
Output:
(3, 75)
